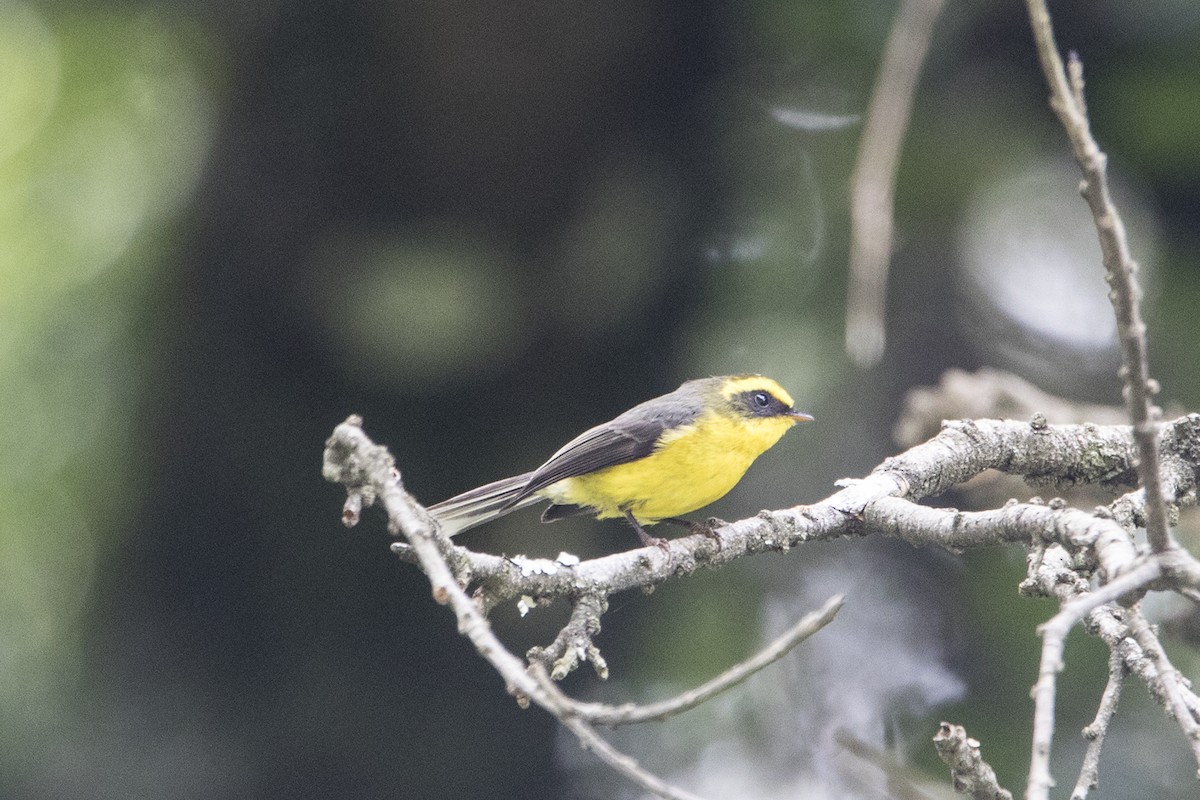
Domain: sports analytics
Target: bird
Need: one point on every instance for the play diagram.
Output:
(659, 460)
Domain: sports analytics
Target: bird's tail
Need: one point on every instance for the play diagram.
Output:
(482, 505)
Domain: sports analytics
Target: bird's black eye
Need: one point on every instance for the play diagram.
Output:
(762, 399)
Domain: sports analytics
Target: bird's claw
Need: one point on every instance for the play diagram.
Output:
(654, 541)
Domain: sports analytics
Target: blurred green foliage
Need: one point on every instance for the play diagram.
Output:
(105, 126)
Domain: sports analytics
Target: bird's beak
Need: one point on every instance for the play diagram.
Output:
(800, 416)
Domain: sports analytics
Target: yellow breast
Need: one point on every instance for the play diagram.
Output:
(691, 466)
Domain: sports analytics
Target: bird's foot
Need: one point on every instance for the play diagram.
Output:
(654, 541)
(707, 528)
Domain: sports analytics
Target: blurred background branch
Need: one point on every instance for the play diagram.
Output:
(873, 184)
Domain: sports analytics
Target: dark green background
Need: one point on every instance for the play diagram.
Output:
(486, 226)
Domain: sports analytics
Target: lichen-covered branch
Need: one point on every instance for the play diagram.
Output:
(1066, 547)
(574, 642)
(1046, 455)
(1062, 455)
(1054, 637)
(969, 772)
(368, 473)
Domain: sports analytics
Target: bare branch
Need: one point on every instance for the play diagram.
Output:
(1089, 772)
(574, 642)
(874, 179)
(1028, 523)
(631, 713)
(354, 460)
(1070, 550)
(1045, 453)
(1067, 546)
(1054, 635)
(1066, 99)
(1180, 702)
(1068, 454)
(1052, 576)
(969, 772)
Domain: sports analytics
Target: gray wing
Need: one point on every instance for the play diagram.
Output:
(630, 436)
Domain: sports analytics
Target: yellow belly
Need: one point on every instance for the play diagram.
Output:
(692, 466)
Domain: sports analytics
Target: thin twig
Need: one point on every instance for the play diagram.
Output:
(1052, 576)
(1171, 682)
(1089, 772)
(629, 713)
(874, 180)
(1066, 99)
(1054, 634)
(626, 765)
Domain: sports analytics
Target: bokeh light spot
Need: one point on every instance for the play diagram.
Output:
(418, 308)
(29, 62)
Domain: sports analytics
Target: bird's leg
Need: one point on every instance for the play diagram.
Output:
(693, 527)
(647, 539)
